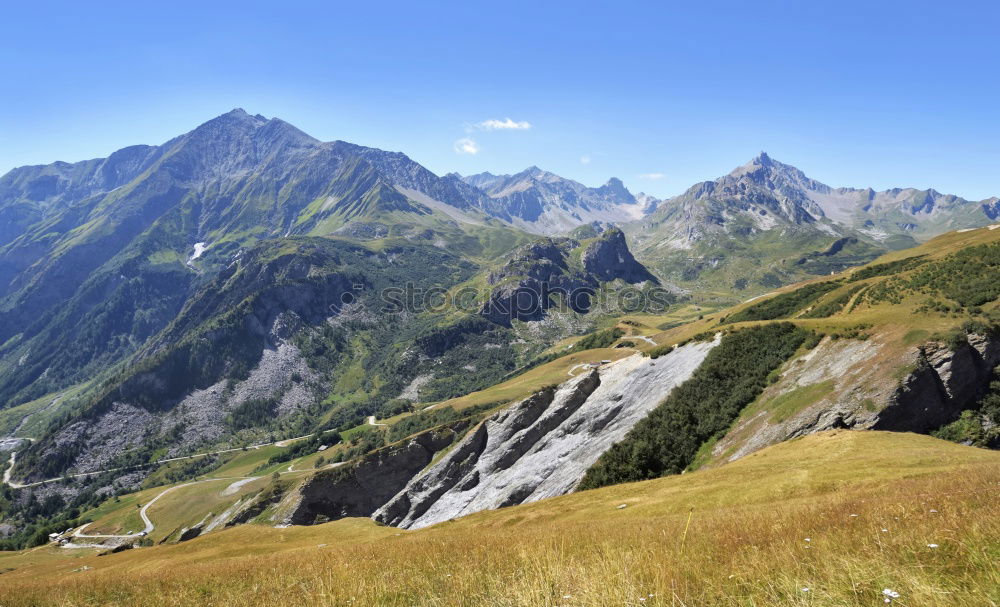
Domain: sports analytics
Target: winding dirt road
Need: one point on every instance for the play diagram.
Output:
(239, 481)
(13, 455)
(144, 513)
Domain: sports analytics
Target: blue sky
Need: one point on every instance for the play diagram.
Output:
(879, 94)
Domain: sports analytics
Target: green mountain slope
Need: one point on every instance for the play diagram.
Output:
(767, 224)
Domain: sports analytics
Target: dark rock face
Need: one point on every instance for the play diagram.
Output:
(525, 284)
(190, 533)
(608, 258)
(539, 274)
(992, 208)
(946, 382)
(359, 490)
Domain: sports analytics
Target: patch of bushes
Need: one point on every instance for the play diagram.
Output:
(859, 331)
(784, 305)
(835, 305)
(659, 351)
(885, 269)
(429, 419)
(253, 413)
(812, 340)
(600, 339)
(393, 407)
(300, 448)
(701, 409)
(700, 337)
(968, 276)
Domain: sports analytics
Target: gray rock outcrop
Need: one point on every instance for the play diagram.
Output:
(524, 286)
(608, 258)
(867, 387)
(944, 382)
(189, 533)
(360, 488)
(542, 446)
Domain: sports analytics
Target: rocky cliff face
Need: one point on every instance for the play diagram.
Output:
(944, 382)
(360, 488)
(608, 258)
(864, 385)
(522, 288)
(542, 446)
(991, 207)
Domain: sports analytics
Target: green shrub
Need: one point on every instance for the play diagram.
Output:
(784, 305)
(253, 413)
(885, 269)
(732, 376)
(835, 305)
(659, 351)
(600, 339)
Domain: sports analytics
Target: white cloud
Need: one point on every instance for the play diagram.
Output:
(584, 159)
(651, 175)
(466, 146)
(506, 124)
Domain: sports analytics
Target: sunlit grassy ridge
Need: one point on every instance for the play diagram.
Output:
(735, 535)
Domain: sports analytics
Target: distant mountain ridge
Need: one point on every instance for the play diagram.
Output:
(756, 224)
(544, 202)
(768, 186)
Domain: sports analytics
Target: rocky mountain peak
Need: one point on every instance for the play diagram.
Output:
(608, 258)
(616, 190)
(234, 119)
(991, 206)
(762, 169)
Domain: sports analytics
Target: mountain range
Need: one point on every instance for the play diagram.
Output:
(228, 289)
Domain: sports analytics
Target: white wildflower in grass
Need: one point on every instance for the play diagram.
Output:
(889, 595)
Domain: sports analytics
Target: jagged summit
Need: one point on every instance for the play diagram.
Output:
(543, 202)
(717, 223)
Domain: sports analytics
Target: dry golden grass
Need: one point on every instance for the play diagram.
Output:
(735, 535)
(531, 381)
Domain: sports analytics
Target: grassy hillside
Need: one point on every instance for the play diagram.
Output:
(830, 519)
